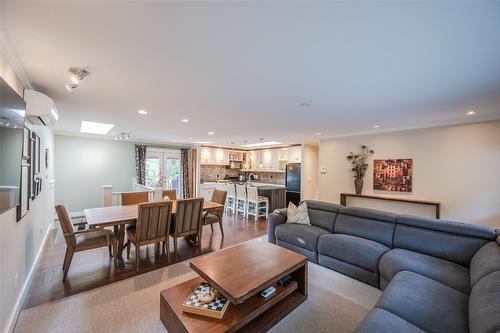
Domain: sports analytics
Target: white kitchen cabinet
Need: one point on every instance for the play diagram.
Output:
(283, 154)
(215, 156)
(295, 154)
(207, 189)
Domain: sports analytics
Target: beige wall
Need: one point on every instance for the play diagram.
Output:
(21, 242)
(456, 165)
(310, 172)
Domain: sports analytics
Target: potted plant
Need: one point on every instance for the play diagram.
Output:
(359, 166)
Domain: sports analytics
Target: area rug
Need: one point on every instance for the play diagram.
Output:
(336, 303)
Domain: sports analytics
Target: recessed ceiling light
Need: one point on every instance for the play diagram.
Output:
(142, 112)
(122, 137)
(268, 143)
(376, 126)
(319, 134)
(185, 120)
(470, 113)
(74, 79)
(95, 128)
(211, 133)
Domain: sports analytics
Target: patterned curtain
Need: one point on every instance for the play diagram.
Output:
(140, 164)
(186, 193)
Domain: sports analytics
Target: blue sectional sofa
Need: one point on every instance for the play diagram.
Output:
(436, 275)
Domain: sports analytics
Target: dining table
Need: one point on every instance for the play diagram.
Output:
(120, 216)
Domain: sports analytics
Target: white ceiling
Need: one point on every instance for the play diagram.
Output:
(241, 69)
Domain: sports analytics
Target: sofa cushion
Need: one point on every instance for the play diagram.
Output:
(311, 255)
(351, 270)
(322, 214)
(426, 303)
(358, 251)
(453, 241)
(484, 305)
(382, 321)
(301, 235)
(446, 272)
(371, 224)
(484, 262)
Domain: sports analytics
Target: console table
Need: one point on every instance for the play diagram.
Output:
(437, 205)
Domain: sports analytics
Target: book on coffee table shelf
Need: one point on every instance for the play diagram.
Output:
(214, 309)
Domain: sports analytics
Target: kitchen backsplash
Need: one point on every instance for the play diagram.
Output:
(212, 173)
(271, 177)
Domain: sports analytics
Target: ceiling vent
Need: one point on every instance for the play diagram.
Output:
(40, 109)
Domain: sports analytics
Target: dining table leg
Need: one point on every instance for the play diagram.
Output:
(121, 240)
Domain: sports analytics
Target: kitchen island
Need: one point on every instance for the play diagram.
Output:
(275, 193)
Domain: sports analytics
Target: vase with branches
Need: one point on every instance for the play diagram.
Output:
(359, 165)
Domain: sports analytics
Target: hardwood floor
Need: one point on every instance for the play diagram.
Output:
(93, 269)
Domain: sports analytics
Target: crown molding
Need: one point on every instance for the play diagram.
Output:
(13, 60)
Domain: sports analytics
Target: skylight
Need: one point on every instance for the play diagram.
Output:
(267, 143)
(95, 128)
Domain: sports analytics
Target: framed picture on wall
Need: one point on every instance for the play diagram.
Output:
(35, 165)
(393, 175)
(24, 205)
(26, 144)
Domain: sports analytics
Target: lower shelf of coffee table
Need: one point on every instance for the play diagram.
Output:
(257, 314)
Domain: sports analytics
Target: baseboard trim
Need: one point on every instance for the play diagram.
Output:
(11, 323)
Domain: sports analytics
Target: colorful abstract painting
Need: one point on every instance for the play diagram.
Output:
(393, 175)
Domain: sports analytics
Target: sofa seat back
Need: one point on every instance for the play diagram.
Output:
(484, 304)
(366, 223)
(453, 241)
(322, 214)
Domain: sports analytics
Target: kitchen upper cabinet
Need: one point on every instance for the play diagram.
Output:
(295, 154)
(283, 154)
(265, 160)
(215, 156)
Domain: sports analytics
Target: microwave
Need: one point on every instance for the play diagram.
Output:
(234, 165)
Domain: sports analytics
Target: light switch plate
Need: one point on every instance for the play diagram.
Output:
(323, 170)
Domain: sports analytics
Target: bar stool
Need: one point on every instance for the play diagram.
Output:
(230, 198)
(257, 205)
(241, 199)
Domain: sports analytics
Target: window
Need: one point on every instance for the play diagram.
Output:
(163, 169)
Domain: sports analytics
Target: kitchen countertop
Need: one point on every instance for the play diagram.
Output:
(251, 183)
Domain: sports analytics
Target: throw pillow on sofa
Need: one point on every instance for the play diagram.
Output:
(297, 215)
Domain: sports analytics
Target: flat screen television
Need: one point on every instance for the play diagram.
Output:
(12, 112)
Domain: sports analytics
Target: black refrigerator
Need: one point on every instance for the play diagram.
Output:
(292, 183)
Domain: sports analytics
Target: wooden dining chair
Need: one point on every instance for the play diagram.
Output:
(134, 198)
(216, 216)
(171, 194)
(152, 227)
(188, 220)
(82, 240)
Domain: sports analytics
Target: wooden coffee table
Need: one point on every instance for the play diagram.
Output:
(240, 273)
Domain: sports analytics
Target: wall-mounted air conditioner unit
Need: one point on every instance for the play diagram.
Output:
(40, 109)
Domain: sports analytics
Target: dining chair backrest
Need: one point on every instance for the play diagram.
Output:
(188, 216)
(153, 221)
(230, 190)
(252, 193)
(134, 198)
(219, 197)
(66, 225)
(171, 194)
(241, 191)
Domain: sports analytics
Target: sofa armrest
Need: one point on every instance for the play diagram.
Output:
(274, 219)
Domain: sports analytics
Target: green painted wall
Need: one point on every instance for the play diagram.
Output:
(83, 165)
